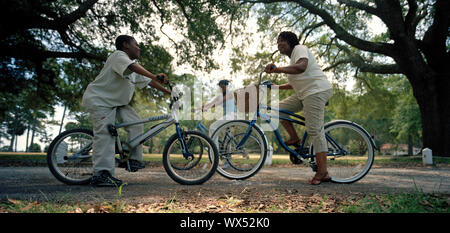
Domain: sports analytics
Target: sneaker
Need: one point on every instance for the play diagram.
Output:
(134, 165)
(105, 180)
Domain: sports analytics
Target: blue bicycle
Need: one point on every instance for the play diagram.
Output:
(241, 144)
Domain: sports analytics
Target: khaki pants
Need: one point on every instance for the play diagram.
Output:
(313, 107)
(104, 143)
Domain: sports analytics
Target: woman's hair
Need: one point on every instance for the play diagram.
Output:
(290, 38)
(122, 38)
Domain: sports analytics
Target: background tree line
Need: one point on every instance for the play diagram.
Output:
(51, 50)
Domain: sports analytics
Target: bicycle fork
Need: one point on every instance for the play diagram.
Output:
(184, 147)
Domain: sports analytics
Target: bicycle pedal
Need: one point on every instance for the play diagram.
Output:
(313, 166)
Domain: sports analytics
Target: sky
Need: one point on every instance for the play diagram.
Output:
(225, 71)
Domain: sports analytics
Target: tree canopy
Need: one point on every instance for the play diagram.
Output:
(415, 43)
(51, 49)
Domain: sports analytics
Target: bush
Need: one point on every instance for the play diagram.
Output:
(34, 148)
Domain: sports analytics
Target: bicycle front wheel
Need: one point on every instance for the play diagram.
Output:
(69, 156)
(194, 166)
(350, 151)
(241, 162)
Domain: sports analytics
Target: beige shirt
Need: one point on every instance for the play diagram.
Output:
(115, 84)
(312, 80)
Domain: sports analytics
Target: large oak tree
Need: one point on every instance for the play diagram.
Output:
(415, 44)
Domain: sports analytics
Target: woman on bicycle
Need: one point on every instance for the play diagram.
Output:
(312, 92)
(107, 98)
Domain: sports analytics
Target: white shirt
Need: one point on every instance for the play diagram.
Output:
(312, 80)
(115, 84)
(229, 104)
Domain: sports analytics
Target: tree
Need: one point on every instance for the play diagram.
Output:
(406, 122)
(51, 50)
(414, 44)
(39, 39)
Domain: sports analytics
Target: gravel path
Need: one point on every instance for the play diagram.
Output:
(153, 184)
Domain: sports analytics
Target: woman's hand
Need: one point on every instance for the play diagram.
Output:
(270, 68)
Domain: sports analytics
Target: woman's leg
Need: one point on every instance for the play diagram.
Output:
(292, 104)
(314, 113)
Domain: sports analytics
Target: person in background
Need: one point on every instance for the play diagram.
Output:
(228, 103)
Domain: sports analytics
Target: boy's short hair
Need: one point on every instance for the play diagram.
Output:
(290, 37)
(123, 38)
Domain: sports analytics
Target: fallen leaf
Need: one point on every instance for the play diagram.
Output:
(29, 206)
(15, 202)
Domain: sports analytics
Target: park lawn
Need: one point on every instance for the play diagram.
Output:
(278, 159)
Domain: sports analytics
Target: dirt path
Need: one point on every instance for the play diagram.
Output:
(152, 185)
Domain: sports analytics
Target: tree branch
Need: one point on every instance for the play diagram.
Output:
(360, 6)
(31, 52)
(363, 66)
(437, 33)
(70, 18)
(336, 64)
(410, 17)
(434, 40)
(341, 33)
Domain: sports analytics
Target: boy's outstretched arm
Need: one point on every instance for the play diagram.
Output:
(135, 67)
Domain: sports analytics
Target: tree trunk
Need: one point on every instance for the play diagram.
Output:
(28, 134)
(62, 119)
(432, 93)
(410, 145)
(15, 143)
(11, 145)
(32, 139)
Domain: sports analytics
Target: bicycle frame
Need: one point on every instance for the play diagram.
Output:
(170, 119)
(202, 128)
(300, 120)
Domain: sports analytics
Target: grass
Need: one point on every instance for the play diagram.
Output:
(417, 202)
(380, 160)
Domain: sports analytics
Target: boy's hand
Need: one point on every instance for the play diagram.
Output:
(162, 78)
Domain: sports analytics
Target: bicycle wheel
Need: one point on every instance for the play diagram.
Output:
(245, 161)
(350, 151)
(69, 156)
(195, 167)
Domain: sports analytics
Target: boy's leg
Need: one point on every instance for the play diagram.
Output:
(103, 144)
(127, 114)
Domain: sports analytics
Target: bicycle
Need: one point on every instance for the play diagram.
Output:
(350, 147)
(189, 157)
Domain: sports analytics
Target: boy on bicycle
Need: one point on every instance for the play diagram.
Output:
(107, 98)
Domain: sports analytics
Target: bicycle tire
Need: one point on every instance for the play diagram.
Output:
(359, 147)
(259, 138)
(57, 161)
(173, 154)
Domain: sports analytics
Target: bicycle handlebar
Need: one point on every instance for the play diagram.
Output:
(161, 78)
(174, 98)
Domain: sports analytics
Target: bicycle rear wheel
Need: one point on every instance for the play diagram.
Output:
(193, 168)
(69, 156)
(243, 162)
(350, 151)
